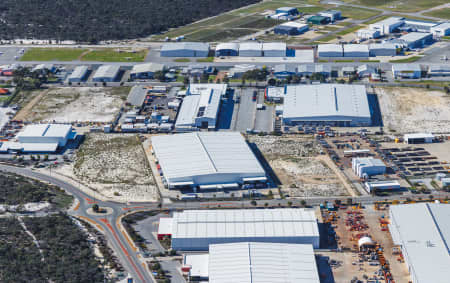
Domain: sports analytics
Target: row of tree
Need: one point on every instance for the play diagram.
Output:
(92, 21)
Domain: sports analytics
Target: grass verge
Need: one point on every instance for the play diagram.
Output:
(406, 60)
(52, 54)
(112, 55)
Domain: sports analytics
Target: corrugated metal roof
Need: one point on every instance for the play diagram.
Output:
(79, 72)
(414, 36)
(148, 67)
(329, 48)
(389, 21)
(376, 46)
(369, 161)
(443, 26)
(293, 24)
(406, 67)
(423, 230)
(356, 48)
(228, 45)
(47, 130)
(250, 46)
(249, 262)
(281, 46)
(203, 153)
(326, 100)
(137, 95)
(291, 222)
(107, 71)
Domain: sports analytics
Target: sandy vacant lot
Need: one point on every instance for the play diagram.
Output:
(115, 166)
(408, 110)
(299, 166)
(75, 104)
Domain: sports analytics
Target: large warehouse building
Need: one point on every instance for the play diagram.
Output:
(382, 49)
(423, 232)
(274, 49)
(207, 160)
(185, 49)
(145, 71)
(250, 49)
(326, 104)
(227, 49)
(356, 50)
(330, 50)
(291, 28)
(365, 167)
(249, 262)
(79, 74)
(417, 39)
(200, 107)
(40, 138)
(106, 73)
(196, 230)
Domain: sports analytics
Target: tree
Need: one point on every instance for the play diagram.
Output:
(266, 204)
(253, 202)
(95, 208)
(160, 76)
(303, 202)
(289, 203)
(46, 157)
(185, 80)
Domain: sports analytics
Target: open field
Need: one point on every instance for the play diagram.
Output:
(407, 110)
(400, 5)
(52, 54)
(357, 13)
(295, 162)
(115, 166)
(74, 104)
(72, 54)
(406, 60)
(443, 13)
(349, 30)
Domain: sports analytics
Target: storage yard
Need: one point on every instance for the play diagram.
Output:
(115, 166)
(407, 110)
(75, 104)
(301, 172)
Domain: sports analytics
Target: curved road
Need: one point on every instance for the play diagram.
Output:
(123, 247)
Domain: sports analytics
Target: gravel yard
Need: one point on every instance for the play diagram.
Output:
(76, 104)
(297, 163)
(116, 166)
(407, 110)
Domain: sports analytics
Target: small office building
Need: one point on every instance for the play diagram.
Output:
(368, 34)
(381, 186)
(227, 49)
(291, 28)
(333, 15)
(318, 20)
(306, 70)
(364, 167)
(185, 49)
(418, 138)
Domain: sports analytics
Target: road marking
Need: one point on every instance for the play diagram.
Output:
(90, 201)
(104, 220)
(77, 206)
(133, 207)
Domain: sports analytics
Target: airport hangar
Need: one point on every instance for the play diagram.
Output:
(206, 160)
(326, 104)
(195, 230)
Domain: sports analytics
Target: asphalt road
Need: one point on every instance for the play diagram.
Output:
(123, 248)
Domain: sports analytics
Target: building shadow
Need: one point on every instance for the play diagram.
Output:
(374, 106)
(325, 272)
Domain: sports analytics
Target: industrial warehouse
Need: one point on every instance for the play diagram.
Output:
(249, 262)
(196, 230)
(200, 107)
(185, 49)
(43, 138)
(145, 71)
(79, 74)
(106, 73)
(326, 104)
(422, 230)
(206, 160)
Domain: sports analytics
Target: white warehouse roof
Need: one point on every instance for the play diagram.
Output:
(249, 262)
(251, 46)
(147, 67)
(414, 36)
(107, 71)
(200, 46)
(228, 45)
(280, 46)
(244, 223)
(206, 158)
(327, 101)
(45, 130)
(423, 231)
(79, 72)
(356, 48)
(329, 48)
